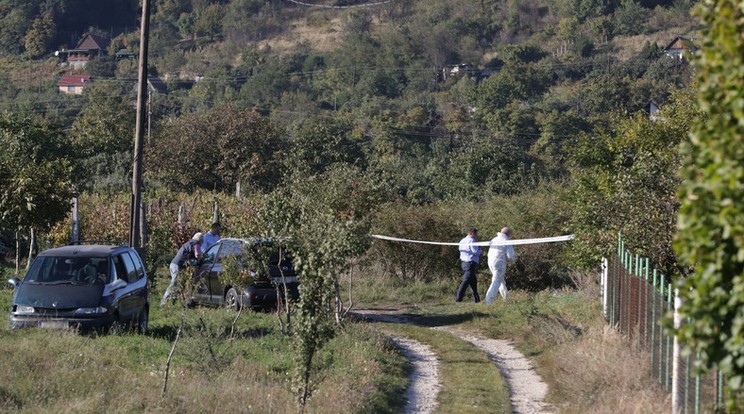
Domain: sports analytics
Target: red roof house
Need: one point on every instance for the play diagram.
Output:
(73, 83)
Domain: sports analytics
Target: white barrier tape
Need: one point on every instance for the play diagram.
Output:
(485, 243)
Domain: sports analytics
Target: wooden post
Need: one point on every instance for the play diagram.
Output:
(134, 224)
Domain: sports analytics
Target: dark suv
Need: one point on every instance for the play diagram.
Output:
(83, 287)
(255, 290)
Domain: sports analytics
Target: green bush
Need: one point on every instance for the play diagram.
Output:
(542, 212)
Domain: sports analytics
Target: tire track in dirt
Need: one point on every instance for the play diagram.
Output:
(527, 390)
(423, 388)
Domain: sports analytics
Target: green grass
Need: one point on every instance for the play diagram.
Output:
(54, 371)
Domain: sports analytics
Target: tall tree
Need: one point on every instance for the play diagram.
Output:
(216, 149)
(35, 175)
(711, 220)
(626, 180)
(103, 136)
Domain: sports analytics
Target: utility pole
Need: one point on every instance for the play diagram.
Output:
(135, 239)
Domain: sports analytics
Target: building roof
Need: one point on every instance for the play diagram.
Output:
(92, 42)
(79, 79)
(157, 85)
(680, 43)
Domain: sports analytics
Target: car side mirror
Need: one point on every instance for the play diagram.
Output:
(113, 287)
(15, 282)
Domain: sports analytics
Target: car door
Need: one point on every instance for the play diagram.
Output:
(203, 273)
(120, 301)
(140, 289)
(129, 296)
(229, 248)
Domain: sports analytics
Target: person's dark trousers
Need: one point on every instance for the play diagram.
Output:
(468, 279)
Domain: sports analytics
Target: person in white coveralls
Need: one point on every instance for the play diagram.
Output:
(497, 258)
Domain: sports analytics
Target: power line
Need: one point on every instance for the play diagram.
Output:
(352, 6)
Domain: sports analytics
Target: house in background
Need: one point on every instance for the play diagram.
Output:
(90, 47)
(73, 84)
(678, 47)
(654, 111)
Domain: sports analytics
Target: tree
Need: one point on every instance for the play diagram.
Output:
(103, 136)
(323, 142)
(626, 179)
(35, 174)
(39, 37)
(629, 18)
(711, 219)
(216, 149)
(326, 217)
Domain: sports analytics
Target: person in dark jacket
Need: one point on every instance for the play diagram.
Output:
(188, 251)
(469, 258)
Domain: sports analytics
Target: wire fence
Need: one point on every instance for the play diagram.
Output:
(635, 299)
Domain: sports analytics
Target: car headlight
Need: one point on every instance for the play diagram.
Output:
(24, 310)
(91, 311)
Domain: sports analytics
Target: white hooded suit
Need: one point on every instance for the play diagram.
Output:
(497, 258)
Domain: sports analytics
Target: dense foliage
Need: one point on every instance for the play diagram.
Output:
(626, 181)
(711, 221)
(35, 175)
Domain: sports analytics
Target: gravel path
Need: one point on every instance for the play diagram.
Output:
(423, 388)
(526, 388)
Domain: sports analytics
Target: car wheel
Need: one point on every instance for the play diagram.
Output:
(232, 301)
(143, 320)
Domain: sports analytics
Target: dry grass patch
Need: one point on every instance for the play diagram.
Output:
(601, 373)
(321, 35)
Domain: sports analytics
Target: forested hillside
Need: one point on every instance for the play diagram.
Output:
(439, 100)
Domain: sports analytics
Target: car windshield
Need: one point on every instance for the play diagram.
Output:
(68, 270)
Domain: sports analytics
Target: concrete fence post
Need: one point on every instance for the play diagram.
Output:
(75, 235)
(603, 285)
(677, 396)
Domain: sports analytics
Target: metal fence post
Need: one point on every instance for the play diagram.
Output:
(662, 335)
(653, 319)
(645, 302)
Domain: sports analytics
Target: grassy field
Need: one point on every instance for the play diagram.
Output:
(250, 371)
(588, 367)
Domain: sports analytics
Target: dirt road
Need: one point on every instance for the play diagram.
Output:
(526, 389)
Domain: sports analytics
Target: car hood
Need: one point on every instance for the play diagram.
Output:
(59, 296)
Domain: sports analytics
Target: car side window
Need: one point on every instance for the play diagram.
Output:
(139, 268)
(131, 270)
(211, 254)
(120, 267)
(228, 249)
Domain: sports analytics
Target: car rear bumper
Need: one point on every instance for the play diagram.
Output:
(262, 298)
(17, 322)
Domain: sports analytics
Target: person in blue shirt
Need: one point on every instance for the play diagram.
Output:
(211, 237)
(469, 258)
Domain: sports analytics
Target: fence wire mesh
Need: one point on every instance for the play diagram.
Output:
(637, 298)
